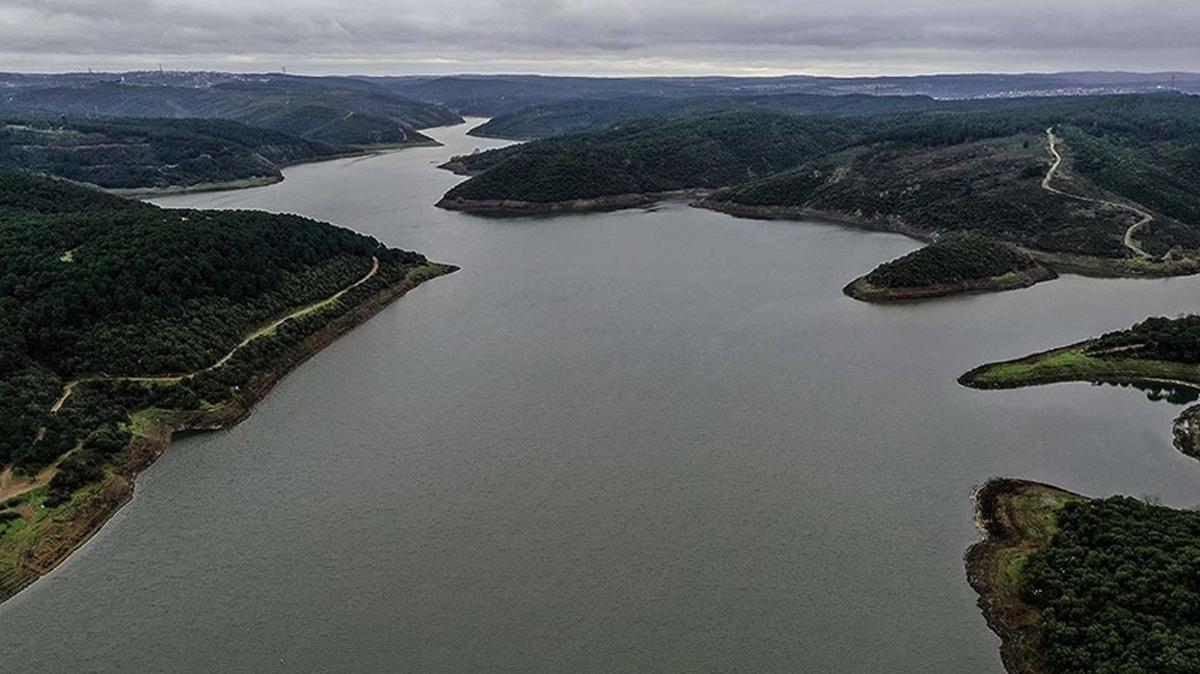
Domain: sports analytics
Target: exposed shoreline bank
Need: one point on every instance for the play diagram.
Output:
(514, 207)
(96, 504)
(1011, 514)
(260, 181)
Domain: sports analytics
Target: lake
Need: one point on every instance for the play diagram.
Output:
(647, 440)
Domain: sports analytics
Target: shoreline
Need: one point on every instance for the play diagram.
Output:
(516, 207)
(1057, 263)
(1007, 540)
(258, 181)
(1121, 372)
(1039, 369)
(490, 136)
(893, 225)
(862, 290)
(1060, 263)
(98, 503)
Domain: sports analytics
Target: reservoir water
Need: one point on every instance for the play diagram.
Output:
(648, 440)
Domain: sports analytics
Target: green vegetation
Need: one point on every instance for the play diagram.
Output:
(561, 117)
(153, 153)
(1163, 339)
(149, 293)
(1157, 349)
(988, 186)
(982, 171)
(938, 168)
(163, 319)
(1078, 586)
(954, 258)
(650, 156)
(1118, 590)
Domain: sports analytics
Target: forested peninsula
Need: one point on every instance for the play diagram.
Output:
(1078, 586)
(121, 323)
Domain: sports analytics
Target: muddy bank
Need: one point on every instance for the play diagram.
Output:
(512, 207)
(888, 224)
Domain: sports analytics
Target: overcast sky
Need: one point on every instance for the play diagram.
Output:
(605, 37)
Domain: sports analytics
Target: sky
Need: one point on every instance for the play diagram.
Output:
(601, 37)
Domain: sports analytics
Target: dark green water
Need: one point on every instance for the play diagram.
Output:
(638, 441)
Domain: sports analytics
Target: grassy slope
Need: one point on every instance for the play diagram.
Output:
(1081, 363)
(570, 116)
(1073, 363)
(317, 109)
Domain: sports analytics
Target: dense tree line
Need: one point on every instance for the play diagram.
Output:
(1171, 339)
(951, 259)
(147, 153)
(652, 156)
(1119, 589)
(94, 284)
(1160, 175)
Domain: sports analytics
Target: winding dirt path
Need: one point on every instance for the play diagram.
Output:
(69, 388)
(11, 486)
(1145, 218)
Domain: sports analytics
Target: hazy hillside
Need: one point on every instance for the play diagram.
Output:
(492, 95)
(334, 110)
(552, 119)
(153, 153)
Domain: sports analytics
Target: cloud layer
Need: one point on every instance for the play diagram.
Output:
(601, 36)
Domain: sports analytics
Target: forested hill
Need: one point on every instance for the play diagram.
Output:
(493, 95)
(560, 117)
(91, 283)
(955, 258)
(153, 153)
(984, 171)
(648, 156)
(330, 110)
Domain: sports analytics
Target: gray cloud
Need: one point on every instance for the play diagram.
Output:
(603, 36)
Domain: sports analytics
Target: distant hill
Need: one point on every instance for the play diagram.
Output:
(490, 95)
(339, 111)
(418, 102)
(560, 117)
(154, 153)
(493, 95)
